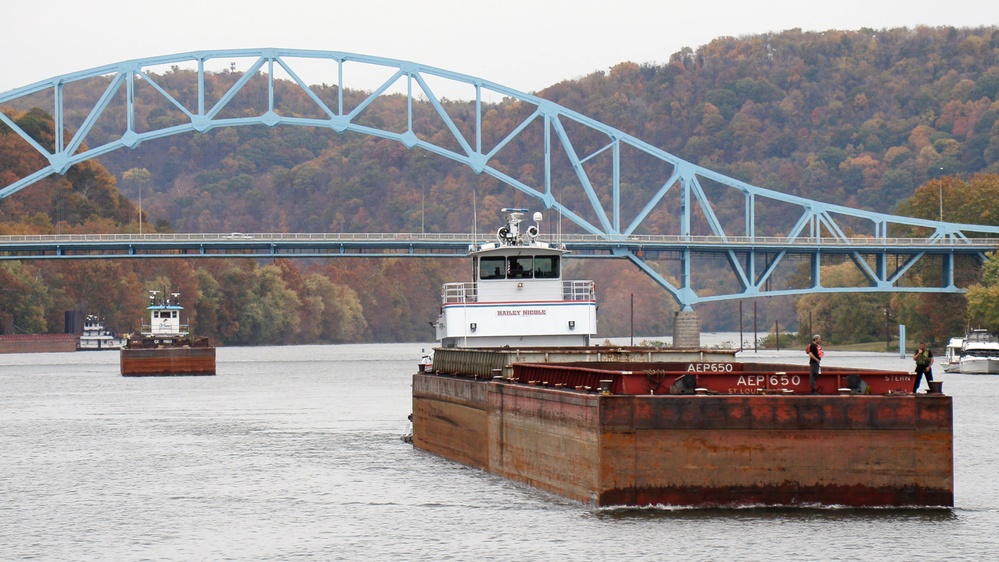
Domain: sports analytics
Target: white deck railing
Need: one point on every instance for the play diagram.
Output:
(576, 290)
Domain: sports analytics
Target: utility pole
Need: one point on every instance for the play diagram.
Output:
(940, 179)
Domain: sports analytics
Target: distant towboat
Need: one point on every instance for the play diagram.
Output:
(96, 337)
(165, 347)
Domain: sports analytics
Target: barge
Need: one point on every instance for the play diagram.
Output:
(682, 427)
(165, 347)
(37, 343)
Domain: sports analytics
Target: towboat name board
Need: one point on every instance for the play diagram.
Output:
(529, 312)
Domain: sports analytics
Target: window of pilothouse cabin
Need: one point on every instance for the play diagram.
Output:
(546, 267)
(519, 267)
(492, 268)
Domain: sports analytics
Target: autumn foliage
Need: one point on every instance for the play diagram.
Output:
(874, 119)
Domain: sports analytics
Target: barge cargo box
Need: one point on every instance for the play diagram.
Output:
(636, 434)
(37, 343)
(176, 358)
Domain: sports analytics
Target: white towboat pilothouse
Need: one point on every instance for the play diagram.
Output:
(518, 296)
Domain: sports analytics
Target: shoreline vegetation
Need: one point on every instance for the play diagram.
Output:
(898, 120)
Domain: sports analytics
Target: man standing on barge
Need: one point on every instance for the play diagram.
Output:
(924, 366)
(814, 357)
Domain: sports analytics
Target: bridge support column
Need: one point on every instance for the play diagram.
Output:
(686, 329)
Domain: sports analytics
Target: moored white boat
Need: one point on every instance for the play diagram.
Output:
(517, 296)
(952, 357)
(979, 353)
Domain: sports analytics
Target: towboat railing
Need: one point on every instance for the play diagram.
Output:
(575, 290)
(578, 291)
(148, 329)
(459, 292)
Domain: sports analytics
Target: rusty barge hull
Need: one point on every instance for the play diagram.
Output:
(37, 343)
(892, 450)
(167, 361)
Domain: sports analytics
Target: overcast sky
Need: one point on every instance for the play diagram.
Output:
(523, 44)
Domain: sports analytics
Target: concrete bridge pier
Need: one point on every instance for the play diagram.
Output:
(686, 329)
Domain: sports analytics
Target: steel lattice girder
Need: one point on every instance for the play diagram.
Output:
(569, 137)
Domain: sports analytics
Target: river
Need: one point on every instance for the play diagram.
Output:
(293, 453)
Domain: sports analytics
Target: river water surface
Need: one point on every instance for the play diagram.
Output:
(293, 453)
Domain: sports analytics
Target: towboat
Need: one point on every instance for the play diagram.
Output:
(516, 389)
(517, 295)
(165, 347)
(979, 353)
(96, 337)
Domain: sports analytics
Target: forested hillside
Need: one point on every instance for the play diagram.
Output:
(861, 118)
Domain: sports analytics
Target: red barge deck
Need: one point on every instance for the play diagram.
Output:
(699, 431)
(710, 378)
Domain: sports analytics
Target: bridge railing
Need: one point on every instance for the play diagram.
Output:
(235, 237)
(634, 239)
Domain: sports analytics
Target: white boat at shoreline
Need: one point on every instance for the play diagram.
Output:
(979, 353)
(95, 337)
(952, 357)
(517, 296)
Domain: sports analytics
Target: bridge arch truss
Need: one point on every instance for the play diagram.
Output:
(608, 184)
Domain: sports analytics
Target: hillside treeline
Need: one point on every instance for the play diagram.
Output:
(861, 118)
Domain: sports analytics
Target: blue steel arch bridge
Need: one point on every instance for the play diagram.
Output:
(665, 222)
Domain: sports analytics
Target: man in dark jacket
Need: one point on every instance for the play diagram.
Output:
(814, 357)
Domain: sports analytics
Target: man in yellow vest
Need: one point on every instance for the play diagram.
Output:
(924, 366)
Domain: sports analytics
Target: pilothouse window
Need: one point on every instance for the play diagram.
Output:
(546, 267)
(521, 267)
(492, 268)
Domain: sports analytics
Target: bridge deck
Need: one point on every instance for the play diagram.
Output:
(447, 244)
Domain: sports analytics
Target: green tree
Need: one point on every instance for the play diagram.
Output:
(983, 298)
(336, 310)
(844, 316)
(23, 299)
